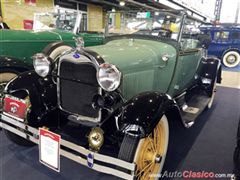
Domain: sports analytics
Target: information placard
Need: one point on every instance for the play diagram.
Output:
(49, 149)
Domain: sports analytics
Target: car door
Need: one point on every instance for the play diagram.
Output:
(189, 58)
(188, 62)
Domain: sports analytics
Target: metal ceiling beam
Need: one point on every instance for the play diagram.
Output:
(141, 4)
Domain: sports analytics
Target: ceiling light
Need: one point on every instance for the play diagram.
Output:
(122, 3)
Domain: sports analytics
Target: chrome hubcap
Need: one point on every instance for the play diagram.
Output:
(158, 158)
(231, 59)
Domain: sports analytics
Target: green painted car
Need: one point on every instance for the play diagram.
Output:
(120, 105)
(18, 46)
(22, 45)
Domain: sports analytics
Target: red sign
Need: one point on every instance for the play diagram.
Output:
(30, 1)
(28, 24)
(49, 149)
(15, 107)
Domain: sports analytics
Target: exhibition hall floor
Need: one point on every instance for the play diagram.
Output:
(207, 146)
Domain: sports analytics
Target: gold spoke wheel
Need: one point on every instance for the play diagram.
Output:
(151, 152)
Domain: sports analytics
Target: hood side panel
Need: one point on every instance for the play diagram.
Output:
(141, 63)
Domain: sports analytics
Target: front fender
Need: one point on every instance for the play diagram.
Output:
(142, 113)
(14, 64)
(41, 91)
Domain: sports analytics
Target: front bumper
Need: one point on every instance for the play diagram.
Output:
(110, 164)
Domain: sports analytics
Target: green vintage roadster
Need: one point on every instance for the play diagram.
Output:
(118, 106)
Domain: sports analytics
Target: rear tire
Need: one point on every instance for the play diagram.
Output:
(231, 59)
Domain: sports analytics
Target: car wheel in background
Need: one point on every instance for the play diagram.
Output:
(231, 59)
(54, 50)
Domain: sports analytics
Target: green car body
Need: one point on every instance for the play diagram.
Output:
(23, 45)
(132, 95)
(143, 68)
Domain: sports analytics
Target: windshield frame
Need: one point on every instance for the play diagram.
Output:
(178, 13)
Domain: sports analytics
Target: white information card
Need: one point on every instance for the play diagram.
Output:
(49, 149)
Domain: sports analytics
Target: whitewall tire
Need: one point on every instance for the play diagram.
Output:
(231, 59)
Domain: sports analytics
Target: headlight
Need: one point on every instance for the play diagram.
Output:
(41, 64)
(109, 77)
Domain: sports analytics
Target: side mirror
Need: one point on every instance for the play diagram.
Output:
(204, 40)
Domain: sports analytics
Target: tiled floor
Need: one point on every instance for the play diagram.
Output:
(230, 79)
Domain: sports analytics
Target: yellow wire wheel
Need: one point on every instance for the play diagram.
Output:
(151, 152)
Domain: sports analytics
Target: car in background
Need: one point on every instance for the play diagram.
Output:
(131, 96)
(18, 46)
(225, 43)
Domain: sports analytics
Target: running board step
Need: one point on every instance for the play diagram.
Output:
(194, 107)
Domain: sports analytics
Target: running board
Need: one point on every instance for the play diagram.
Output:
(105, 164)
(194, 108)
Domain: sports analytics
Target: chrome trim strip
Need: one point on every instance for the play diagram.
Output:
(13, 130)
(99, 157)
(17, 122)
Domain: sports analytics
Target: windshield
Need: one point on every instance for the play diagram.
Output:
(159, 24)
(66, 21)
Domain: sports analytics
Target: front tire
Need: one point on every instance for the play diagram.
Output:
(231, 59)
(148, 153)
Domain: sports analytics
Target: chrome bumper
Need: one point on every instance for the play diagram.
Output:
(32, 134)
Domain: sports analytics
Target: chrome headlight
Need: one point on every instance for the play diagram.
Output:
(109, 77)
(41, 64)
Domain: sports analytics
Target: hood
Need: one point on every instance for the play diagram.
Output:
(134, 54)
(22, 35)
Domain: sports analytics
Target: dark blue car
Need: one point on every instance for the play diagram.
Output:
(225, 43)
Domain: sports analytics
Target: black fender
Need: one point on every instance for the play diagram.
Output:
(212, 68)
(143, 112)
(41, 91)
(10, 64)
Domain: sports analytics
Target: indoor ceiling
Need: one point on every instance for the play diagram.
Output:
(130, 4)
